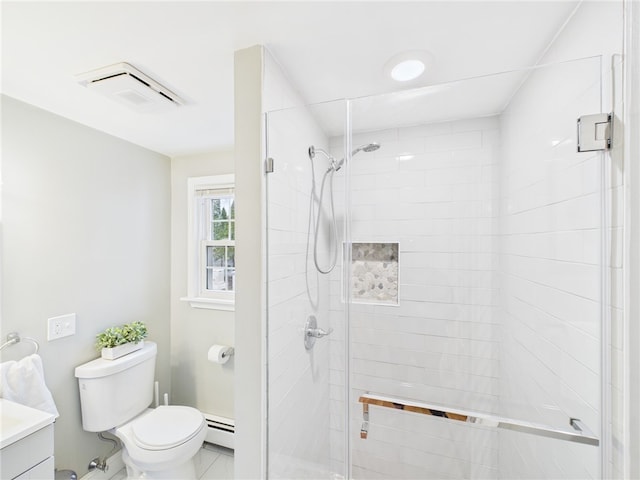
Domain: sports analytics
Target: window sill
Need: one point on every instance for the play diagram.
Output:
(210, 303)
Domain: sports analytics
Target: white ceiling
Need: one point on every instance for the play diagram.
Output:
(328, 49)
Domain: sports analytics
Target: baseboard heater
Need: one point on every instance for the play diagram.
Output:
(220, 430)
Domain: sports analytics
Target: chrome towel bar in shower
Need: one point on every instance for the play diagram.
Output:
(14, 338)
(578, 434)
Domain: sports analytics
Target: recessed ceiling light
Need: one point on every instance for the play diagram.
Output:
(408, 65)
(407, 70)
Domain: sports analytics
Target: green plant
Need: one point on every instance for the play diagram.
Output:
(127, 333)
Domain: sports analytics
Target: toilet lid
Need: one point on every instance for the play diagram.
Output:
(167, 427)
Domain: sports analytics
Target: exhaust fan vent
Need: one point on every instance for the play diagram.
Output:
(127, 85)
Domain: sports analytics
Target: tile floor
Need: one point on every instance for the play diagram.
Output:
(212, 463)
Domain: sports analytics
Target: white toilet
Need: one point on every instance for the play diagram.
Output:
(115, 396)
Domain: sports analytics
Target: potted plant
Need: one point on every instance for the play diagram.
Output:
(115, 342)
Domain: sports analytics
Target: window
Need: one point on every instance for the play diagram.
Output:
(211, 242)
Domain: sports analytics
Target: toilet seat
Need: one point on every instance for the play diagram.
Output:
(166, 427)
(146, 438)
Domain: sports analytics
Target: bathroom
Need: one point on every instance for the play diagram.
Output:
(116, 225)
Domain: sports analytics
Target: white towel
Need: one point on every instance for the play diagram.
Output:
(23, 382)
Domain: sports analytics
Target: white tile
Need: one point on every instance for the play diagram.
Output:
(203, 460)
(221, 469)
(454, 141)
(119, 475)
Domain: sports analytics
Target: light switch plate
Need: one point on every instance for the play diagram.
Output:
(62, 326)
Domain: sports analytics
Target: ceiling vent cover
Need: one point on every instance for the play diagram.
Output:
(127, 85)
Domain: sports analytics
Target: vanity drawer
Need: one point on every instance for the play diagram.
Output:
(42, 471)
(24, 454)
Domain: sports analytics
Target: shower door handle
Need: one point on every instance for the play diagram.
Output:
(578, 432)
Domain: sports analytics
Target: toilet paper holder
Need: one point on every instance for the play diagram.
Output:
(220, 354)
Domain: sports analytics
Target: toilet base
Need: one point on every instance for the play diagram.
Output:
(185, 471)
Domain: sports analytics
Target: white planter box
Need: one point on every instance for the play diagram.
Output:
(121, 350)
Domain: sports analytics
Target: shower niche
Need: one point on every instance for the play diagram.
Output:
(374, 273)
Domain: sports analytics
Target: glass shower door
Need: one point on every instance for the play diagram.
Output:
(305, 324)
(475, 279)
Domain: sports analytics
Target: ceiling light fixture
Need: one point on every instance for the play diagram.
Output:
(408, 66)
(407, 70)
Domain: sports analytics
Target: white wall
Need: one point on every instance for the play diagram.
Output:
(194, 380)
(250, 310)
(550, 272)
(431, 188)
(86, 230)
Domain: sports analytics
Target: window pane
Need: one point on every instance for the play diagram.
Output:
(215, 208)
(221, 208)
(225, 212)
(220, 230)
(216, 279)
(215, 257)
(221, 269)
(231, 279)
(231, 256)
(209, 279)
(232, 227)
(233, 208)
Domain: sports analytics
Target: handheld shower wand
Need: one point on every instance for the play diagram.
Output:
(334, 166)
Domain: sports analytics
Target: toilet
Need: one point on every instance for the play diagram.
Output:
(115, 396)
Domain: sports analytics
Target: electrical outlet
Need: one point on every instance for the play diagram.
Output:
(62, 326)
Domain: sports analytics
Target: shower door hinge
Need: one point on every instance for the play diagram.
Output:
(268, 165)
(594, 132)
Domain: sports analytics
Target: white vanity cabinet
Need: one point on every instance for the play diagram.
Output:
(26, 443)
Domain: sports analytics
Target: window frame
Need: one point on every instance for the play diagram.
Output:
(197, 295)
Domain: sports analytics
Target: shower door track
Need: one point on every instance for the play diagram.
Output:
(578, 434)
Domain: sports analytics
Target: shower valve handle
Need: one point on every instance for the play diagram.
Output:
(318, 332)
(312, 332)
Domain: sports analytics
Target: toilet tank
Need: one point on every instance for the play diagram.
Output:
(112, 392)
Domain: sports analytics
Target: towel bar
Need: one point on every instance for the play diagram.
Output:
(14, 338)
(579, 432)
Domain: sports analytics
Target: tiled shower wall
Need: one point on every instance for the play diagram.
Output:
(298, 380)
(550, 273)
(476, 205)
(432, 189)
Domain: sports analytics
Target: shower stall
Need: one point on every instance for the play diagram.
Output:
(437, 282)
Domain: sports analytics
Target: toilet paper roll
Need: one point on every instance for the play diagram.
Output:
(219, 354)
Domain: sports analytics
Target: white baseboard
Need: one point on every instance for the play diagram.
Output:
(220, 430)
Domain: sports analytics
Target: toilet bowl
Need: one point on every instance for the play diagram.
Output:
(161, 443)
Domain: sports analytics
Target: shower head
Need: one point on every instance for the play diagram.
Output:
(369, 147)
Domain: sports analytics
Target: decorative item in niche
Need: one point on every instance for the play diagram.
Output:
(374, 273)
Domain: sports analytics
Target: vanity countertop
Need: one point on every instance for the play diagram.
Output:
(18, 421)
